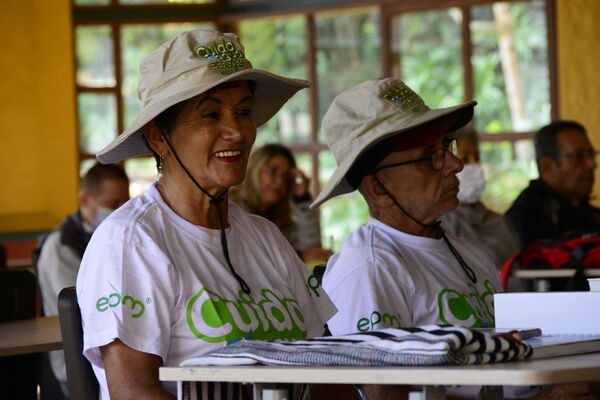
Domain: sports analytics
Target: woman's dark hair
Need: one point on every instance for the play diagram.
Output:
(545, 139)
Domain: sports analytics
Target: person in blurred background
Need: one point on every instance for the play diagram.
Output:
(471, 220)
(277, 190)
(557, 204)
(102, 189)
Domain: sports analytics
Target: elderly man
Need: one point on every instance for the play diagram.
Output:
(101, 190)
(556, 205)
(401, 269)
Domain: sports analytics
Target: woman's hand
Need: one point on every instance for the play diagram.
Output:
(132, 374)
(299, 183)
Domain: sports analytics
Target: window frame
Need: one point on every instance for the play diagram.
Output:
(226, 14)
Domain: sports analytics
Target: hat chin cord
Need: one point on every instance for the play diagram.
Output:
(436, 225)
(218, 202)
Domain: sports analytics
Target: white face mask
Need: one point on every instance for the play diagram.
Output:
(101, 214)
(472, 183)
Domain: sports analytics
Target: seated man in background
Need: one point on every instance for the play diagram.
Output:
(401, 270)
(103, 189)
(557, 204)
(471, 220)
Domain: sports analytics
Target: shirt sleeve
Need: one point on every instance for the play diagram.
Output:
(126, 290)
(368, 298)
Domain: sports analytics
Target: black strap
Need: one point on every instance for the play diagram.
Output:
(437, 226)
(218, 202)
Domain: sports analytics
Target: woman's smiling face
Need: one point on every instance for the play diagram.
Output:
(213, 135)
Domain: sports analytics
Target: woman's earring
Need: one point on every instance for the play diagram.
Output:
(161, 158)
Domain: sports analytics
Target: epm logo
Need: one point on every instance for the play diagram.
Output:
(114, 299)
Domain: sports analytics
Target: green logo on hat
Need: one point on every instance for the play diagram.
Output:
(226, 58)
(406, 99)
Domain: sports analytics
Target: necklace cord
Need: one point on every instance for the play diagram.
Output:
(437, 226)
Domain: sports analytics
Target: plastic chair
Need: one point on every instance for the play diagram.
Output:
(80, 377)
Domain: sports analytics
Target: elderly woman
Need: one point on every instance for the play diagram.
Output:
(179, 271)
(277, 190)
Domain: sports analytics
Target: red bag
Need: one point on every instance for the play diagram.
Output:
(578, 253)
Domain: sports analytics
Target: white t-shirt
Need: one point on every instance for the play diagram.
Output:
(387, 278)
(161, 285)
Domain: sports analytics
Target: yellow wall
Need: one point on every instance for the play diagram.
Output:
(38, 155)
(579, 66)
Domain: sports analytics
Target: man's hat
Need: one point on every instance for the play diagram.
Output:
(365, 115)
(188, 65)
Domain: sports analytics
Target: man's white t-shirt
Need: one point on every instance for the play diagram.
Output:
(161, 285)
(386, 278)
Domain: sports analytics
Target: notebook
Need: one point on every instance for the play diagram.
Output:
(562, 345)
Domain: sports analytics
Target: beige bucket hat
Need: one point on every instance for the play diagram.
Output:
(188, 65)
(373, 111)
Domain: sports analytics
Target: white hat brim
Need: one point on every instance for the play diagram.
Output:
(270, 94)
(338, 184)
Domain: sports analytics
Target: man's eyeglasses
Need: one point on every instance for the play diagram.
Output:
(580, 156)
(437, 158)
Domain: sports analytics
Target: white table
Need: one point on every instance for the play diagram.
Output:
(576, 368)
(540, 277)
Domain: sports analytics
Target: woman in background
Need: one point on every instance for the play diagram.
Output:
(277, 190)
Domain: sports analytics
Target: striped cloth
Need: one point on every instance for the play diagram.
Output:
(420, 346)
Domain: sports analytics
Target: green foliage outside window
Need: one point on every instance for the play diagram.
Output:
(429, 48)
(97, 121)
(279, 46)
(95, 56)
(348, 51)
(526, 33)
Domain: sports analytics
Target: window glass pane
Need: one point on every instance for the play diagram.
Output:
(341, 215)
(170, 2)
(303, 161)
(142, 173)
(427, 45)
(507, 173)
(97, 121)
(510, 66)
(279, 46)
(347, 52)
(137, 42)
(92, 2)
(95, 56)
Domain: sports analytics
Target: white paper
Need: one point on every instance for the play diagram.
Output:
(555, 313)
